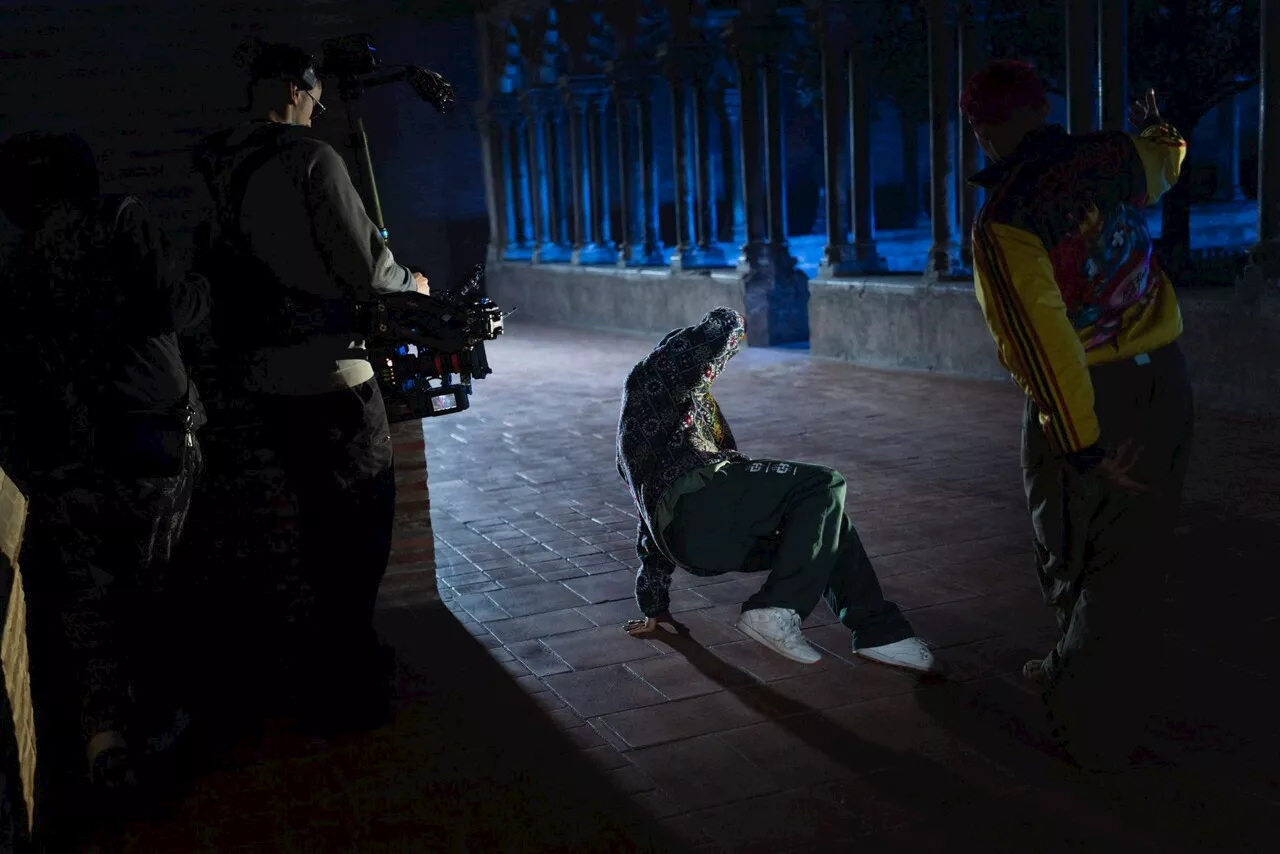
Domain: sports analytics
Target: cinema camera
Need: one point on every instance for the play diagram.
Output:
(414, 340)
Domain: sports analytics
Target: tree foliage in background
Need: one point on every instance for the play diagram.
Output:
(1196, 54)
(1007, 29)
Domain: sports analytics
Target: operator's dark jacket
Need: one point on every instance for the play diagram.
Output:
(670, 426)
(289, 196)
(90, 306)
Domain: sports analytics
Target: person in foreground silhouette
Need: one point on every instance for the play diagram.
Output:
(710, 510)
(1087, 322)
(98, 426)
(291, 251)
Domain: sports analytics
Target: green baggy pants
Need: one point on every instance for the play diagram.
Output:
(787, 519)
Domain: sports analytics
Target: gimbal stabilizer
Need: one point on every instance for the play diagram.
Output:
(414, 339)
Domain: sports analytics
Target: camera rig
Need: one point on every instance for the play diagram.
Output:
(413, 339)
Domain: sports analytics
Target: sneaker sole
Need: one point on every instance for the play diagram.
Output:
(763, 641)
(936, 670)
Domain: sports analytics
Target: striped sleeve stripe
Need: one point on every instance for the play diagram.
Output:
(1039, 370)
(1002, 309)
(1065, 427)
(1020, 330)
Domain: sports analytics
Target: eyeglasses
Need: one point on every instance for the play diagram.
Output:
(319, 108)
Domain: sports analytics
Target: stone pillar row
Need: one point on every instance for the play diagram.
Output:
(555, 160)
(846, 126)
(556, 164)
(1269, 139)
(560, 159)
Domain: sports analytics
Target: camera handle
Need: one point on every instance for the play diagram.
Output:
(360, 142)
(430, 87)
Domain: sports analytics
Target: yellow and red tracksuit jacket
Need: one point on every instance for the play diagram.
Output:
(1064, 269)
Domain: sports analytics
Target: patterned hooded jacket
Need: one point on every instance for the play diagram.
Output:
(1064, 268)
(670, 426)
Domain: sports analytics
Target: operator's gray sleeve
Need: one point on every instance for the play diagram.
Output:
(357, 256)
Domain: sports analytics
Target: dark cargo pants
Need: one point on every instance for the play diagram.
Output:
(98, 562)
(1102, 553)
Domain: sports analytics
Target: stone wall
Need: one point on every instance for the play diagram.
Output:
(897, 322)
(1233, 349)
(891, 322)
(612, 298)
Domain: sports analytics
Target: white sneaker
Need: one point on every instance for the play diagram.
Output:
(778, 629)
(911, 654)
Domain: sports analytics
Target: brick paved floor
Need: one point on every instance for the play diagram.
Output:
(737, 748)
(728, 746)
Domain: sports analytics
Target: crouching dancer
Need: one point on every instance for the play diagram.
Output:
(711, 510)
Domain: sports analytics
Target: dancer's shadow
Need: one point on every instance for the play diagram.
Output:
(910, 787)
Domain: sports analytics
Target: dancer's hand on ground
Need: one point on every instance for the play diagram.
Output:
(1141, 111)
(649, 625)
(1117, 465)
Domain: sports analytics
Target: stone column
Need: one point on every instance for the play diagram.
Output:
(1262, 273)
(561, 183)
(487, 56)
(632, 86)
(1113, 64)
(733, 228)
(707, 251)
(513, 251)
(520, 184)
(971, 59)
(495, 203)
(776, 163)
(505, 111)
(674, 62)
(862, 182)
(533, 106)
(775, 293)
(579, 186)
(1269, 138)
(653, 250)
(942, 255)
(601, 225)
(1228, 189)
(1082, 75)
(751, 157)
(834, 33)
(628, 163)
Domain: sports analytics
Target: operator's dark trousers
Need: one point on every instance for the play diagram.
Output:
(786, 519)
(335, 449)
(1102, 554)
(108, 613)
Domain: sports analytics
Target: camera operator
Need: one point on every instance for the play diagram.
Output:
(292, 252)
(97, 426)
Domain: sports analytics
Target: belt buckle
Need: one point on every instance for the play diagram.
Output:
(1142, 359)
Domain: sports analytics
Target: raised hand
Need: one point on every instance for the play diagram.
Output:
(1141, 111)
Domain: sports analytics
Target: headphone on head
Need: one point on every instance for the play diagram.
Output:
(277, 61)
